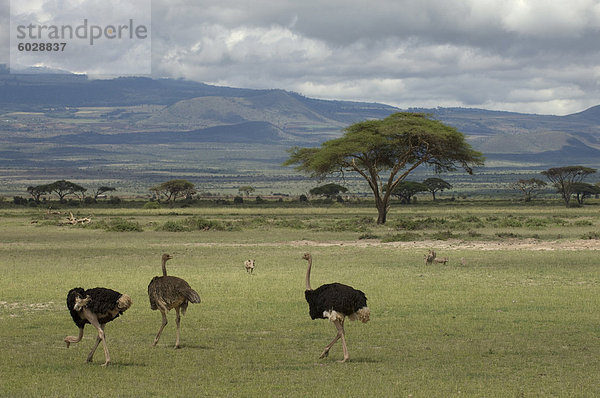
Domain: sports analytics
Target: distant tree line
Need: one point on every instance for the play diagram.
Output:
(568, 182)
(63, 189)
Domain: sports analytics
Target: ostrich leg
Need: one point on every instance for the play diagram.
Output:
(93, 319)
(164, 323)
(340, 333)
(73, 339)
(177, 322)
(98, 340)
(346, 356)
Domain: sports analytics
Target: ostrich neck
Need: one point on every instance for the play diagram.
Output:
(308, 274)
(164, 267)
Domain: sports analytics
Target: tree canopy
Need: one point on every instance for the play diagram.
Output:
(405, 190)
(529, 187)
(435, 184)
(173, 189)
(584, 190)
(63, 188)
(328, 190)
(397, 144)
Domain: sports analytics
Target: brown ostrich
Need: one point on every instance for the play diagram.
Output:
(96, 306)
(335, 301)
(168, 292)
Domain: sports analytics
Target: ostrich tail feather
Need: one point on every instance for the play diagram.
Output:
(192, 296)
(124, 302)
(363, 315)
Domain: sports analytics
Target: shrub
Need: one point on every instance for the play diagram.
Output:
(174, 226)
(583, 223)
(120, 225)
(536, 222)
(151, 205)
(591, 235)
(19, 200)
(238, 200)
(510, 222)
(194, 224)
(368, 235)
(406, 224)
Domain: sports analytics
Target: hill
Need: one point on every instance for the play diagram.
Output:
(528, 138)
(66, 126)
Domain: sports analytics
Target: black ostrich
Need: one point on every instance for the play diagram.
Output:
(168, 292)
(96, 306)
(335, 301)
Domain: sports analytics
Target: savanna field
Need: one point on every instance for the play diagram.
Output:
(514, 312)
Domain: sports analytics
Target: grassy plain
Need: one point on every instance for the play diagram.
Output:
(508, 322)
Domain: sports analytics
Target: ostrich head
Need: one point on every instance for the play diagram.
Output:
(80, 302)
(307, 256)
(166, 257)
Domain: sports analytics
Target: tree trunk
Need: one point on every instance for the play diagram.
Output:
(382, 210)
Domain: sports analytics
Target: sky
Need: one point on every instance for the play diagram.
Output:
(531, 56)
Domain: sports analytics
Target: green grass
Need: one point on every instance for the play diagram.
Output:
(508, 323)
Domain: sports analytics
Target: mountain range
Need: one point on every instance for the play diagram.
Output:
(67, 122)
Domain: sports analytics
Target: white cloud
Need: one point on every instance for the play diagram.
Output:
(526, 55)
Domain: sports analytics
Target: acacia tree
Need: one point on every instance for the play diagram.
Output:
(37, 191)
(564, 179)
(102, 190)
(584, 190)
(328, 190)
(397, 144)
(435, 184)
(63, 188)
(405, 190)
(173, 189)
(529, 187)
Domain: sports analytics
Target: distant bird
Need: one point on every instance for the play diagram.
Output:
(96, 306)
(335, 301)
(249, 264)
(168, 292)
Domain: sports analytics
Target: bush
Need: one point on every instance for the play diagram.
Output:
(536, 222)
(509, 222)
(238, 200)
(151, 205)
(194, 224)
(591, 235)
(174, 226)
(20, 201)
(583, 223)
(406, 224)
(508, 235)
(119, 225)
(368, 235)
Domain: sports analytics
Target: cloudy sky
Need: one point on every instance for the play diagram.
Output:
(535, 56)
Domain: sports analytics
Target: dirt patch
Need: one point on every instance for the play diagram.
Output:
(451, 244)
